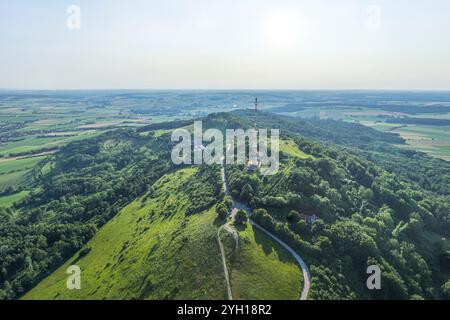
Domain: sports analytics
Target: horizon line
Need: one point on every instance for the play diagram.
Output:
(225, 89)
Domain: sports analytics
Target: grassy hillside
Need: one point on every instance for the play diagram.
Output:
(289, 147)
(150, 250)
(260, 268)
(154, 249)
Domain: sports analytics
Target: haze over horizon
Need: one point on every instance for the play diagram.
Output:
(287, 45)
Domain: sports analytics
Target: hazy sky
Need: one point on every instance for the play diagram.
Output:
(315, 44)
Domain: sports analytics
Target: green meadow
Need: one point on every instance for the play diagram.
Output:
(289, 147)
(260, 267)
(14, 172)
(8, 166)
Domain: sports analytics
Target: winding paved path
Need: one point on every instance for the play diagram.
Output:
(236, 206)
(224, 262)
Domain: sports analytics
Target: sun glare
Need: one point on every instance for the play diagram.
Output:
(283, 29)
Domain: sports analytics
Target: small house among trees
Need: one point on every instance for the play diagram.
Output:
(252, 165)
(309, 219)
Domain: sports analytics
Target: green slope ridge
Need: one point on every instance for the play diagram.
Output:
(150, 250)
(153, 250)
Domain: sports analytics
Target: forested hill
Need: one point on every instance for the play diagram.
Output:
(331, 131)
(77, 191)
(372, 206)
(427, 172)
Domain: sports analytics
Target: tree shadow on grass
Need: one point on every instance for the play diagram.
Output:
(218, 222)
(240, 227)
(269, 245)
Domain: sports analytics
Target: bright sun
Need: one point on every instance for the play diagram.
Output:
(283, 29)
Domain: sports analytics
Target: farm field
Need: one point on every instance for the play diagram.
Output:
(397, 112)
(8, 201)
(13, 172)
(15, 177)
(14, 165)
(433, 140)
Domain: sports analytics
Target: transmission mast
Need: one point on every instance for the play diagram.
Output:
(256, 109)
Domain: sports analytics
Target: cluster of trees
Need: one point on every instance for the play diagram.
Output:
(89, 183)
(241, 217)
(10, 190)
(446, 289)
(204, 188)
(223, 208)
(33, 152)
(426, 172)
(420, 121)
